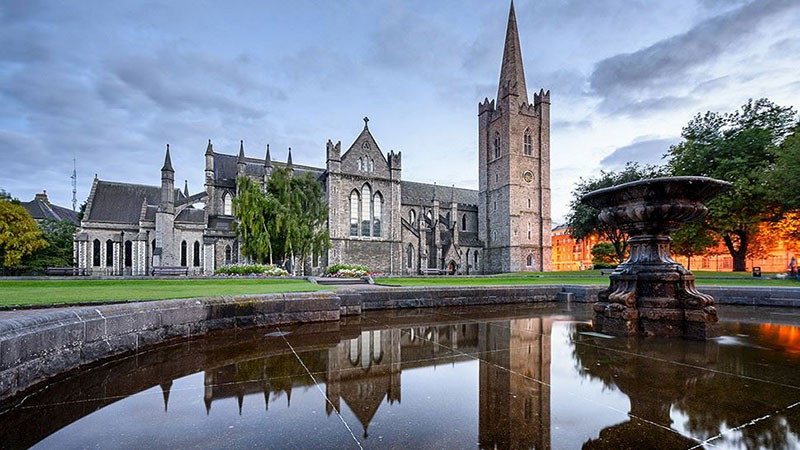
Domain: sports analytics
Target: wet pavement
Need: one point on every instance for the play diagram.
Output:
(488, 377)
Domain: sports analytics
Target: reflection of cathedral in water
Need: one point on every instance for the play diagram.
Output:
(365, 371)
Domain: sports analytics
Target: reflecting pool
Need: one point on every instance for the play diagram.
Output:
(488, 377)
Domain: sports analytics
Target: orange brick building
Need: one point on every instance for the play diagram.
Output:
(576, 254)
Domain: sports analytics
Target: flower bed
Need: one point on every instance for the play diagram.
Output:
(347, 271)
(251, 269)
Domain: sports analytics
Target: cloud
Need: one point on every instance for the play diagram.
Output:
(625, 79)
(644, 150)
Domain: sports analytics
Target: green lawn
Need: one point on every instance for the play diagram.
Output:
(42, 292)
(596, 280)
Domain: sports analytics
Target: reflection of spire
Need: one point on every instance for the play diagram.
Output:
(240, 399)
(266, 398)
(289, 397)
(208, 405)
(165, 387)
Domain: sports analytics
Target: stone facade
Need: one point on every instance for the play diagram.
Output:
(376, 218)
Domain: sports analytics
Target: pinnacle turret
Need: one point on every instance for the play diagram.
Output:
(185, 188)
(210, 148)
(512, 74)
(167, 163)
(289, 164)
(267, 159)
(241, 152)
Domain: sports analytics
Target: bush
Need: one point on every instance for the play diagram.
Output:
(347, 270)
(251, 269)
(604, 266)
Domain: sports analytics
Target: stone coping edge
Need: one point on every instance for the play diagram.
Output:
(36, 345)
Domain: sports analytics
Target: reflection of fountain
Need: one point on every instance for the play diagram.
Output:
(637, 368)
(650, 293)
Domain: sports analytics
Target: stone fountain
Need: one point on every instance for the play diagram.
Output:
(650, 293)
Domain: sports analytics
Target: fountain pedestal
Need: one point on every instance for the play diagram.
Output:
(650, 293)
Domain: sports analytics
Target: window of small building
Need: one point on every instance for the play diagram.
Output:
(410, 256)
(109, 253)
(196, 254)
(227, 254)
(183, 254)
(128, 254)
(96, 253)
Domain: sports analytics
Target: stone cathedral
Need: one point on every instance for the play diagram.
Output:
(376, 218)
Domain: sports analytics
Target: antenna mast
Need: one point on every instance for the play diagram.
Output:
(74, 178)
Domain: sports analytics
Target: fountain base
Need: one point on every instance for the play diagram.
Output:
(655, 300)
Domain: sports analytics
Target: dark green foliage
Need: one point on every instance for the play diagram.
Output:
(694, 239)
(583, 220)
(742, 147)
(604, 253)
(59, 235)
(786, 181)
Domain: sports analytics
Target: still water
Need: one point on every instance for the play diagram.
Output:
(492, 377)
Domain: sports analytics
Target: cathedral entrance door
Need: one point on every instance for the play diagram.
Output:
(451, 268)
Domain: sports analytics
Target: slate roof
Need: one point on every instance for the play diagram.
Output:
(40, 208)
(469, 239)
(191, 215)
(414, 193)
(225, 168)
(122, 202)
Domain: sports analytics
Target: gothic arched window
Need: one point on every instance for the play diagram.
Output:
(96, 253)
(527, 144)
(496, 145)
(354, 204)
(410, 256)
(109, 253)
(475, 255)
(463, 222)
(183, 254)
(227, 254)
(196, 254)
(529, 230)
(377, 203)
(227, 204)
(359, 165)
(366, 210)
(128, 253)
(412, 217)
(529, 261)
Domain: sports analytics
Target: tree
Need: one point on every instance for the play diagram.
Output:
(6, 196)
(740, 147)
(604, 253)
(59, 235)
(583, 219)
(693, 239)
(19, 234)
(288, 218)
(786, 180)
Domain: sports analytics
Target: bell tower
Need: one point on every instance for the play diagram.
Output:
(514, 169)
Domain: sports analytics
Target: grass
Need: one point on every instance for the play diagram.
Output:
(524, 280)
(48, 292)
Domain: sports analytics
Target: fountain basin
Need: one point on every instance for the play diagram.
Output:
(650, 293)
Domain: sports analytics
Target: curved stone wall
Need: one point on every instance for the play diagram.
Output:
(36, 345)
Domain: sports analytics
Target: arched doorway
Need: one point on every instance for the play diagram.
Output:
(451, 268)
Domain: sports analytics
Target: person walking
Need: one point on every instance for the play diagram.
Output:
(793, 267)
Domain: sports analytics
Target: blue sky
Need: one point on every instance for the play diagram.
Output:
(111, 83)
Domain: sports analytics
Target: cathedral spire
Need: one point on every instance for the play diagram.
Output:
(289, 161)
(512, 75)
(185, 188)
(267, 159)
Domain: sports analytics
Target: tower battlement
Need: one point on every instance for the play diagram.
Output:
(486, 106)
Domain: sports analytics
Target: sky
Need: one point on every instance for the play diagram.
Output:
(111, 83)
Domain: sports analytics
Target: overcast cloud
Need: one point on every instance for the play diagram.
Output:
(111, 83)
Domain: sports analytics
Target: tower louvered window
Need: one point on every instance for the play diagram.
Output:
(527, 146)
(497, 145)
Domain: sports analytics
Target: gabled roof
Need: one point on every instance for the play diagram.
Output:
(40, 208)
(122, 202)
(191, 215)
(225, 169)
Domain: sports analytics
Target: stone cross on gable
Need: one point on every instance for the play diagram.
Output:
(366, 120)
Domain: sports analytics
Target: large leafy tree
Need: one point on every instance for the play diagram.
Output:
(583, 219)
(59, 235)
(287, 219)
(742, 147)
(692, 240)
(786, 179)
(20, 236)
